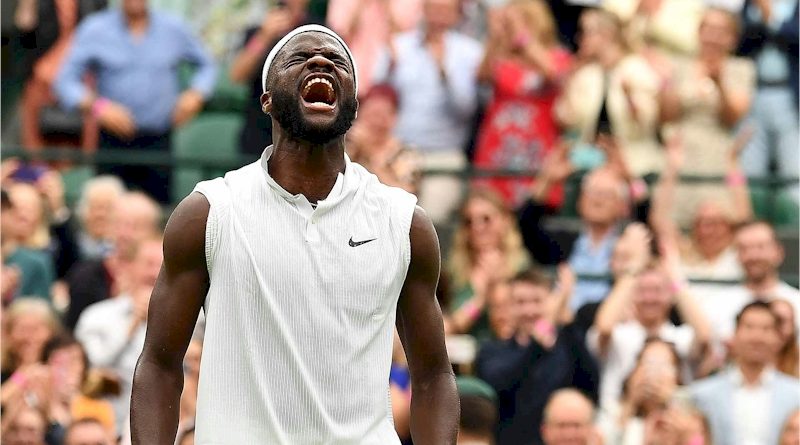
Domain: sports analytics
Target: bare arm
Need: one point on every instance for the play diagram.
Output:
(434, 402)
(737, 182)
(664, 195)
(177, 298)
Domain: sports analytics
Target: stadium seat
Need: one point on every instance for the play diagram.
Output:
(211, 139)
(777, 207)
(74, 178)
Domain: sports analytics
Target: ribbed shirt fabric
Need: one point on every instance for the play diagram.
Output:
(300, 311)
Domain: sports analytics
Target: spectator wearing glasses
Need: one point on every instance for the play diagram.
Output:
(487, 249)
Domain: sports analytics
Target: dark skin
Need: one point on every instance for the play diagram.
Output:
(311, 169)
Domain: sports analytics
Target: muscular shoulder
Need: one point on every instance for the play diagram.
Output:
(425, 254)
(184, 236)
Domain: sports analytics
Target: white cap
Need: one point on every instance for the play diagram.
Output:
(306, 28)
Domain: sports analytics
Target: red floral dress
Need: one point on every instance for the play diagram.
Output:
(519, 128)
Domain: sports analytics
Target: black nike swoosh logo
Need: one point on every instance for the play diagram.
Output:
(358, 243)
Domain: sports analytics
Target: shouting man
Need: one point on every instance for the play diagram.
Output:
(303, 263)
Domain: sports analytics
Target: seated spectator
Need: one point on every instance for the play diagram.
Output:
(46, 219)
(788, 360)
(708, 251)
(612, 93)
(433, 69)
(136, 217)
(769, 36)
(112, 331)
(367, 26)
(568, 419)
(751, 401)
(478, 419)
(500, 311)
(486, 249)
(790, 434)
(760, 254)
(135, 53)
(95, 210)
(26, 272)
(87, 432)
(68, 367)
(649, 412)
(643, 290)
(246, 68)
(25, 425)
(27, 326)
(45, 31)
(706, 98)
(525, 66)
(372, 143)
(539, 359)
(602, 205)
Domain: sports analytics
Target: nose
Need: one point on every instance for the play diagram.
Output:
(319, 63)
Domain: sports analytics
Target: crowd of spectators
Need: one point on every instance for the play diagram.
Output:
(662, 318)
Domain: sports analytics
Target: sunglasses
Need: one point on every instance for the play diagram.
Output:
(470, 221)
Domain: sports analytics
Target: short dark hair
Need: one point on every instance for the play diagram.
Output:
(755, 223)
(65, 340)
(533, 276)
(478, 415)
(756, 306)
(5, 200)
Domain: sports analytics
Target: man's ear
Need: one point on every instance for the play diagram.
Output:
(266, 102)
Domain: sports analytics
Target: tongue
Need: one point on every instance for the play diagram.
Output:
(318, 106)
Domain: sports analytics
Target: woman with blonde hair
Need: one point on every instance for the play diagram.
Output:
(525, 66)
(487, 249)
(28, 324)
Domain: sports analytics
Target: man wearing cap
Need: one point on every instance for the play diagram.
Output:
(303, 264)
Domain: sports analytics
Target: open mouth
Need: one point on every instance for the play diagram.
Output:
(318, 93)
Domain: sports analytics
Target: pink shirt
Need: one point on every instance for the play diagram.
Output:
(372, 32)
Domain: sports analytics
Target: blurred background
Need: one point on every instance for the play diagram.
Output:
(614, 184)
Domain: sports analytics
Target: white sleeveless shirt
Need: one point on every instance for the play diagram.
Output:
(301, 310)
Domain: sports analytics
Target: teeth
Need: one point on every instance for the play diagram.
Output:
(318, 80)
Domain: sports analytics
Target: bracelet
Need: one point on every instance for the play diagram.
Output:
(472, 310)
(735, 179)
(18, 379)
(255, 45)
(99, 105)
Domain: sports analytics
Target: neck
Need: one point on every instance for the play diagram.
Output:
(763, 284)
(751, 371)
(651, 326)
(137, 23)
(598, 231)
(711, 252)
(611, 56)
(433, 34)
(306, 168)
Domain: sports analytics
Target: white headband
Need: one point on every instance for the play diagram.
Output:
(306, 28)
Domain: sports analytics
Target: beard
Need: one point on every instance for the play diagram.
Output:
(286, 109)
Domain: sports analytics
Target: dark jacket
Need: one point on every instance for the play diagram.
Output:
(756, 34)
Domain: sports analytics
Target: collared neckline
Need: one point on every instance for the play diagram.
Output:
(340, 187)
(764, 379)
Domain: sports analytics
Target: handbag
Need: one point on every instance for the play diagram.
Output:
(56, 121)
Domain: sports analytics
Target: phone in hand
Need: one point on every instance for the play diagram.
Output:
(28, 173)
